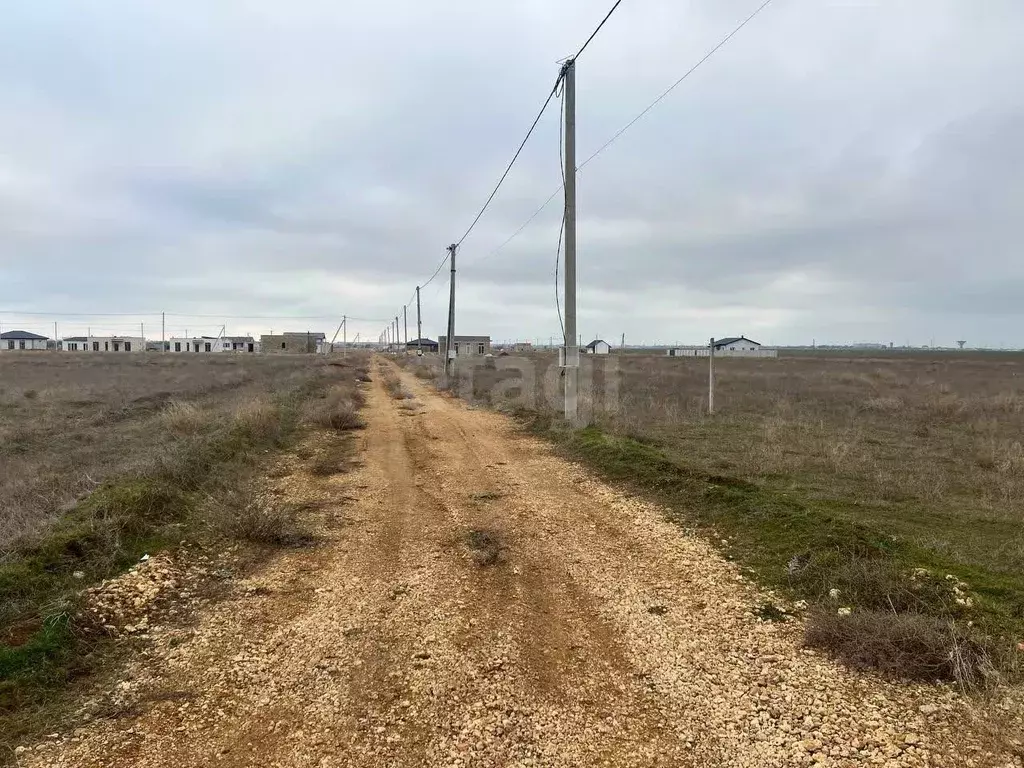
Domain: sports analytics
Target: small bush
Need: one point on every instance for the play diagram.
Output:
(182, 419)
(341, 416)
(330, 461)
(258, 520)
(422, 372)
(30, 394)
(393, 386)
(259, 421)
(904, 645)
(875, 582)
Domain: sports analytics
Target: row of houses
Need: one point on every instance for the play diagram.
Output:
(472, 346)
(298, 342)
(311, 343)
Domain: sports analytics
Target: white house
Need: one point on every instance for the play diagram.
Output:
(16, 340)
(239, 344)
(736, 344)
(598, 347)
(731, 346)
(200, 344)
(103, 344)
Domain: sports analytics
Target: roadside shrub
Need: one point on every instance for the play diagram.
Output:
(875, 582)
(422, 372)
(393, 386)
(182, 418)
(257, 519)
(904, 645)
(341, 415)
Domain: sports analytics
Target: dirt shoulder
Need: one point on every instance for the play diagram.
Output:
(477, 600)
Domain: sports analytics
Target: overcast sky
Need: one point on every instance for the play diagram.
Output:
(844, 171)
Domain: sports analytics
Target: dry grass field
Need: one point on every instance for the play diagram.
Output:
(932, 449)
(68, 423)
(888, 485)
(106, 457)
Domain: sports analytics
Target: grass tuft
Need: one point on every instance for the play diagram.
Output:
(258, 421)
(182, 418)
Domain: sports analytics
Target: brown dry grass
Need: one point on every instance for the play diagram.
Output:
(96, 417)
(929, 448)
(182, 418)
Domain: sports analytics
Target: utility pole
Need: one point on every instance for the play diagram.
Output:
(449, 347)
(711, 376)
(572, 350)
(163, 331)
(344, 334)
(56, 344)
(405, 322)
(398, 337)
(419, 324)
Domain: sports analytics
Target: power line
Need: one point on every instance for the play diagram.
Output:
(515, 157)
(674, 85)
(438, 270)
(594, 33)
(626, 127)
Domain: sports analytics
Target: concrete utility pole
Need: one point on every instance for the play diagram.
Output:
(398, 336)
(344, 334)
(335, 336)
(56, 344)
(163, 331)
(419, 324)
(405, 322)
(572, 350)
(449, 347)
(711, 376)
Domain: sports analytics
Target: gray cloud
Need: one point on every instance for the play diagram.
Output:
(838, 171)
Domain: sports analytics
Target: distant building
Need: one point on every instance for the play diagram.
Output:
(239, 344)
(598, 347)
(520, 346)
(427, 345)
(287, 343)
(75, 344)
(731, 346)
(103, 344)
(466, 346)
(200, 344)
(736, 344)
(17, 340)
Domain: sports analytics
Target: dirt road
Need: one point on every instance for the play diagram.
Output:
(481, 602)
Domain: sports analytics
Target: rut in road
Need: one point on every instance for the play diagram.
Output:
(481, 602)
